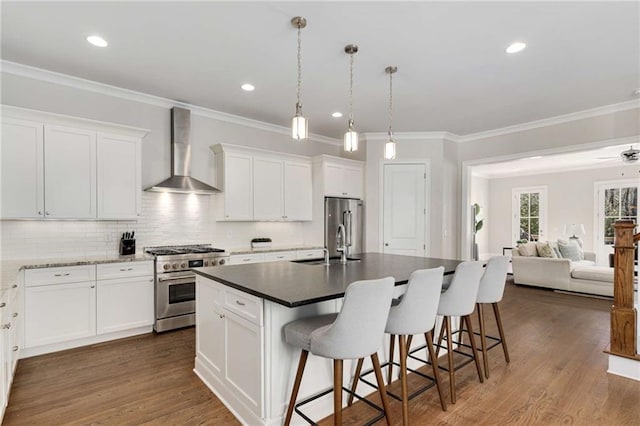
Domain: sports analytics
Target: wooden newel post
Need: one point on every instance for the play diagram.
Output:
(623, 314)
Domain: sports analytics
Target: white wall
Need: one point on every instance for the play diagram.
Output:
(480, 195)
(184, 223)
(570, 200)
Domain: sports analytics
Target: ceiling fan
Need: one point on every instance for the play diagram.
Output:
(630, 155)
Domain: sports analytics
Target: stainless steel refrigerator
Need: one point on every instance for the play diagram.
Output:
(348, 212)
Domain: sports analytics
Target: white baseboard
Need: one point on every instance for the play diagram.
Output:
(624, 367)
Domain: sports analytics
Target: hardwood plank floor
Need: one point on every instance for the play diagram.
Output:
(557, 375)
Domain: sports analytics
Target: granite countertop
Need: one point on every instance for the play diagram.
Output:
(296, 284)
(9, 269)
(247, 250)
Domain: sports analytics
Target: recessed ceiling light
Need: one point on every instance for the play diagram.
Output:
(516, 47)
(336, 114)
(97, 41)
(248, 87)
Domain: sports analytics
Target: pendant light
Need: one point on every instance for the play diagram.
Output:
(390, 146)
(351, 136)
(299, 124)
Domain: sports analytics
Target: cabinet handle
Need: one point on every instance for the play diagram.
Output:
(47, 213)
(240, 303)
(246, 260)
(221, 316)
(122, 269)
(15, 314)
(14, 286)
(62, 275)
(151, 280)
(93, 286)
(39, 212)
(2, 305)
(130, 269)
(6, 326)
(15, 348)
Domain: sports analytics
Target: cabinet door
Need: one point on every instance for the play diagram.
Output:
(298, 191)
(210, 329)
(243, 355)
(22, 179)
(238, 259)
(238, 187)
(334, 180)
(118, 183)
(124, 303)
(268, 189)
(353, 182)
(70, 173)
(60, 312)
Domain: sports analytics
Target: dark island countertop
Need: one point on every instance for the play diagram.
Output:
(296, 284)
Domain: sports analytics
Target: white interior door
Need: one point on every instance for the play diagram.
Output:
(404, 209)
(616, 200)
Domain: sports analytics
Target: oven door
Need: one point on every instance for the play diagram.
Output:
(175, 294)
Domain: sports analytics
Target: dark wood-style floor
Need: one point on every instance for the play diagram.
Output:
(557, 375)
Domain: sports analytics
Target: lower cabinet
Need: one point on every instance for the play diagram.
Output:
(229, 342)
(115, 302)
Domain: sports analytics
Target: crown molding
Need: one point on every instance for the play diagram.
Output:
(412, 136)
(41, 74)
(560, 119)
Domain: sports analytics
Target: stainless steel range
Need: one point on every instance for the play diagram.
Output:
(175, 283)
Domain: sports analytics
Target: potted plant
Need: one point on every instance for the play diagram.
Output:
(478, 222)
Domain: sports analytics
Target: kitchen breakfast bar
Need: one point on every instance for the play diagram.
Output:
(241, 354)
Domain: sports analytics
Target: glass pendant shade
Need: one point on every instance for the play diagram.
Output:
(299, 126)
(351, 141)
(390, 150)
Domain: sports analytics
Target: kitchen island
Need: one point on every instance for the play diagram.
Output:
(241, 354)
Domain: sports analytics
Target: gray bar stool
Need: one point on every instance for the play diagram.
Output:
(355, 332)
(491, 291)
(459, 301)
(415, 313)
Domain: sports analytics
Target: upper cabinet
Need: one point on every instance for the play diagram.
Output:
(262, 185)
(58, 167)
(340, 177)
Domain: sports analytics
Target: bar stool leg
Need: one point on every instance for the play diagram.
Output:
(337, 392)
(434, 365)
(496, 312)
(403, 379)
(483, 339)
(442, 328)
(391, 350)
(381, 388)
(452, 378)
(296, 386)
(476, 358)
(355, 380)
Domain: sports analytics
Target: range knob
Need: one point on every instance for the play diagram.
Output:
(222, 262)
(166, 266)
(206, 263)
(174, 266)
(183, 265)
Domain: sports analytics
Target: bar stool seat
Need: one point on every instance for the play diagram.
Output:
(355, 332)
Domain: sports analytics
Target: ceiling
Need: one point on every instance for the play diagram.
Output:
(453, 74)
(589, 159)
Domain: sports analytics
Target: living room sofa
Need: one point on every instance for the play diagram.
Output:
(563, 274)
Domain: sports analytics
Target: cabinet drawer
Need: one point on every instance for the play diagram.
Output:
(246, 258)
(310, 254)
(280, 255)
(124, 269)
(245, 305)
(63, 274)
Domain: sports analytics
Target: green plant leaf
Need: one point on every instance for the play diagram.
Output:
(479, 224)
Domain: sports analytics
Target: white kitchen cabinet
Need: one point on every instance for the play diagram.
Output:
(353, 182)
(277, 256)
(124, 303)
(59, 312)
(230, 340)
(297, 190)
(22, 171)
(309, 254)
(238, 259)
(69, 173)
(268, 189)
(10, 337)
(340, 177)
(119, 194)
(60, 167)
(238, 187)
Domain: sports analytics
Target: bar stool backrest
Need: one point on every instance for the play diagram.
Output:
(416, 312)
(460, 297)
(493, 281)
(358, 330)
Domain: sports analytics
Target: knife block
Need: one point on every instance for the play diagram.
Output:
(127, 247)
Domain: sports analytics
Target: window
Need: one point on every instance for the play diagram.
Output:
(529, 213)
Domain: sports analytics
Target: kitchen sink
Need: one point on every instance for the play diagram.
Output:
(332, 261)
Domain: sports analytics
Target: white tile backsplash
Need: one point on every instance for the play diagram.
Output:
(165, 219)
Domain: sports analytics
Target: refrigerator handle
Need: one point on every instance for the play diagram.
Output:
(348, 222)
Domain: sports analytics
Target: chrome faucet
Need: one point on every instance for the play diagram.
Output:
(326, 256)
(341, 236)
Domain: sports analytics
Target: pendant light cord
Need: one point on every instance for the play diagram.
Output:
(390, 105)
(351, 91)
(299, 88)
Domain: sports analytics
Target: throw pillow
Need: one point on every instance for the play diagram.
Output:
(528, 249)
(556, 250)
(545, 250)
(570, 250)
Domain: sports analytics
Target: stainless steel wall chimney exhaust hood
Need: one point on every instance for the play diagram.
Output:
(181, 180)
